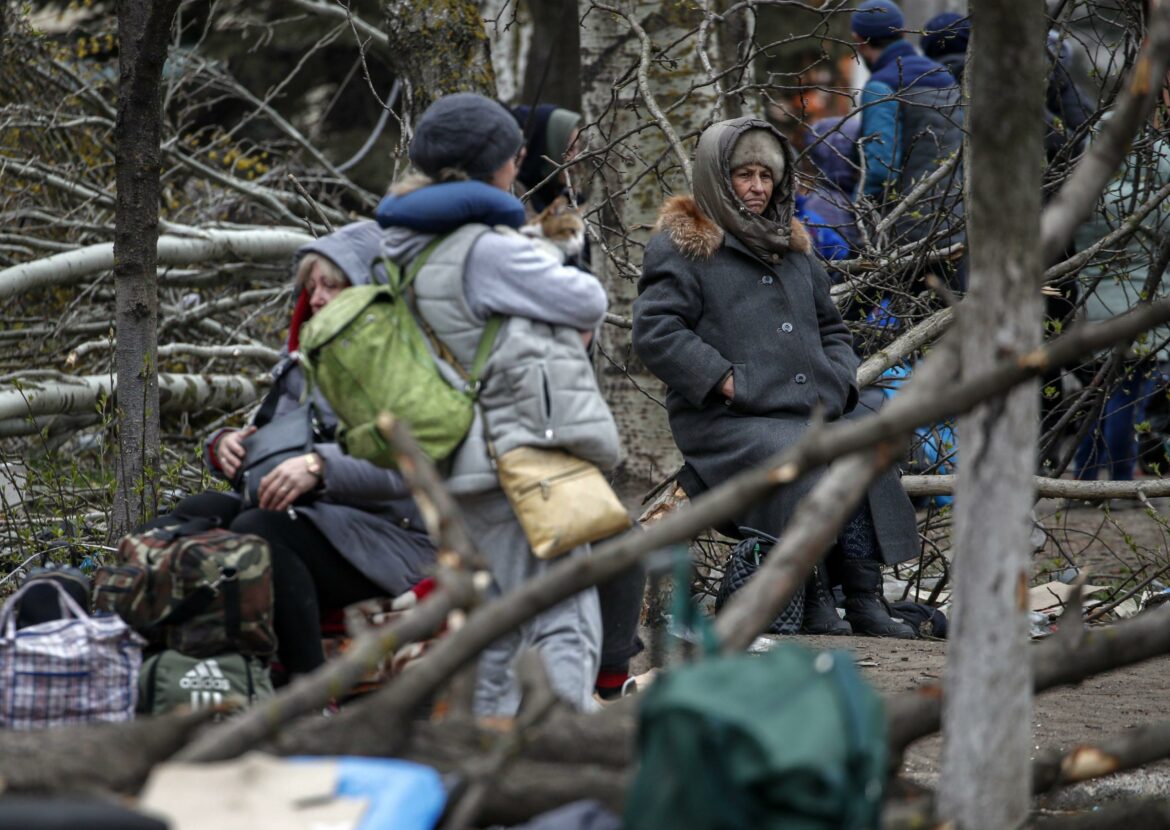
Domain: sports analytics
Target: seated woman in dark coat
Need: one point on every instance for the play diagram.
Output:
(341, 529)
(734, 314)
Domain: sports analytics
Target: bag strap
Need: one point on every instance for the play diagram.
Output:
(403, 287)
(268, 406)
(65, 602)
(188, 526)
(399, 283)
(197, 601)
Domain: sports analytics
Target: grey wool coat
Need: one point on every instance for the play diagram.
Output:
(707, 306)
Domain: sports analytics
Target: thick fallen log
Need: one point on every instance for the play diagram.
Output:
(95, 758)
(203, 245)
(82, 393)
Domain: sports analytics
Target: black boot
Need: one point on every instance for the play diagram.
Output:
(820, 612)
(866, 608)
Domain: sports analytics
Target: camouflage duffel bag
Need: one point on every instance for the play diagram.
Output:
(192, 587)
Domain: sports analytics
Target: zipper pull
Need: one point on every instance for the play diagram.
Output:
(545, 489)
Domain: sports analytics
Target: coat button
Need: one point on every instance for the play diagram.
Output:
(786, 328)
(800, 378)
(775, 257)
(766, 279)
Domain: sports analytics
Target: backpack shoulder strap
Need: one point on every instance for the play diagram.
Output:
(487, 339)
(400, 282)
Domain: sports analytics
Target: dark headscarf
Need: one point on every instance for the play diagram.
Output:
(546, 133)
(764, 234)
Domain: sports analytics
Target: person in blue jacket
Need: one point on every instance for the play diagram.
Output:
(911, 123)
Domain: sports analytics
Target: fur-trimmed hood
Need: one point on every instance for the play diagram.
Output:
(698, 237)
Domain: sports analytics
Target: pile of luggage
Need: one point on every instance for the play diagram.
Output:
(183, 619)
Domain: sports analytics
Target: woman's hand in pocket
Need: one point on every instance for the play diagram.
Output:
(728, 387)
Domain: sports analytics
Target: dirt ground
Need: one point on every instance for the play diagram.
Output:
(1113, 546)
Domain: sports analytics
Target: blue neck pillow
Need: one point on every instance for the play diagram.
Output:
(439, 208)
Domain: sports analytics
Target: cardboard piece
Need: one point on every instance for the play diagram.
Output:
(1052, 596)
(253, 792)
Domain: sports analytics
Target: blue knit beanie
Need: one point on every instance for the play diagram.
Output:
(466, 132)
(877, 19)
(946, 34)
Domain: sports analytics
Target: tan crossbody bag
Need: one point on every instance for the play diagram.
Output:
(560, 500)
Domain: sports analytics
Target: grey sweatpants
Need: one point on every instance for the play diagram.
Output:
(567, 636)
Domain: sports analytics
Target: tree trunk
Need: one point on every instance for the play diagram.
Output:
(509, 30)
(437, 49)
(553, 71)
(987, 715)
(646, 163)
(144, 30)
(735, 46)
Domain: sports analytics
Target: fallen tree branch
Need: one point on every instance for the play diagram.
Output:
(311, 692)
(921, 334)
(813, 528)
(944, 485)
(203, 245)
(1055, 662)
(441, 514)
(1144, 813)
(82, 393)
(1142, 745)
(483, 776)
(169, 350)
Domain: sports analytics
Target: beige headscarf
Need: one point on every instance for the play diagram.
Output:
(764, 234)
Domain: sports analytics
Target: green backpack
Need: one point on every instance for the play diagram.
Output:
(792, 739)
(367, 354)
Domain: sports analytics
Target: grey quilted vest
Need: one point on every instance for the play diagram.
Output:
(538, 387)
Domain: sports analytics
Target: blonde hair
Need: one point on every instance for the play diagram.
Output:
(334, 276)
(416, 181)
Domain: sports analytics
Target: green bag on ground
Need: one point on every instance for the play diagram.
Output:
(170, 679)
(792, 739)
(367, 354)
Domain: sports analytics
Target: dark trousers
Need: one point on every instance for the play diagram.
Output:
(308, 573)
(621, 609)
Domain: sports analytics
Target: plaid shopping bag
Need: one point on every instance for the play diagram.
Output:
(70, 670)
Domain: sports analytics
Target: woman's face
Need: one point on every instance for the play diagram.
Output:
(505, 177)
(322, 287)
(753, 185)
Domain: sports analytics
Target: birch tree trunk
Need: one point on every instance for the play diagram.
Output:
(144, 31)
(438, 48)
(987, 715)
(629, 182)
(509, 32)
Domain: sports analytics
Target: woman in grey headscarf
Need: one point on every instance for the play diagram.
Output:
(734, 314)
